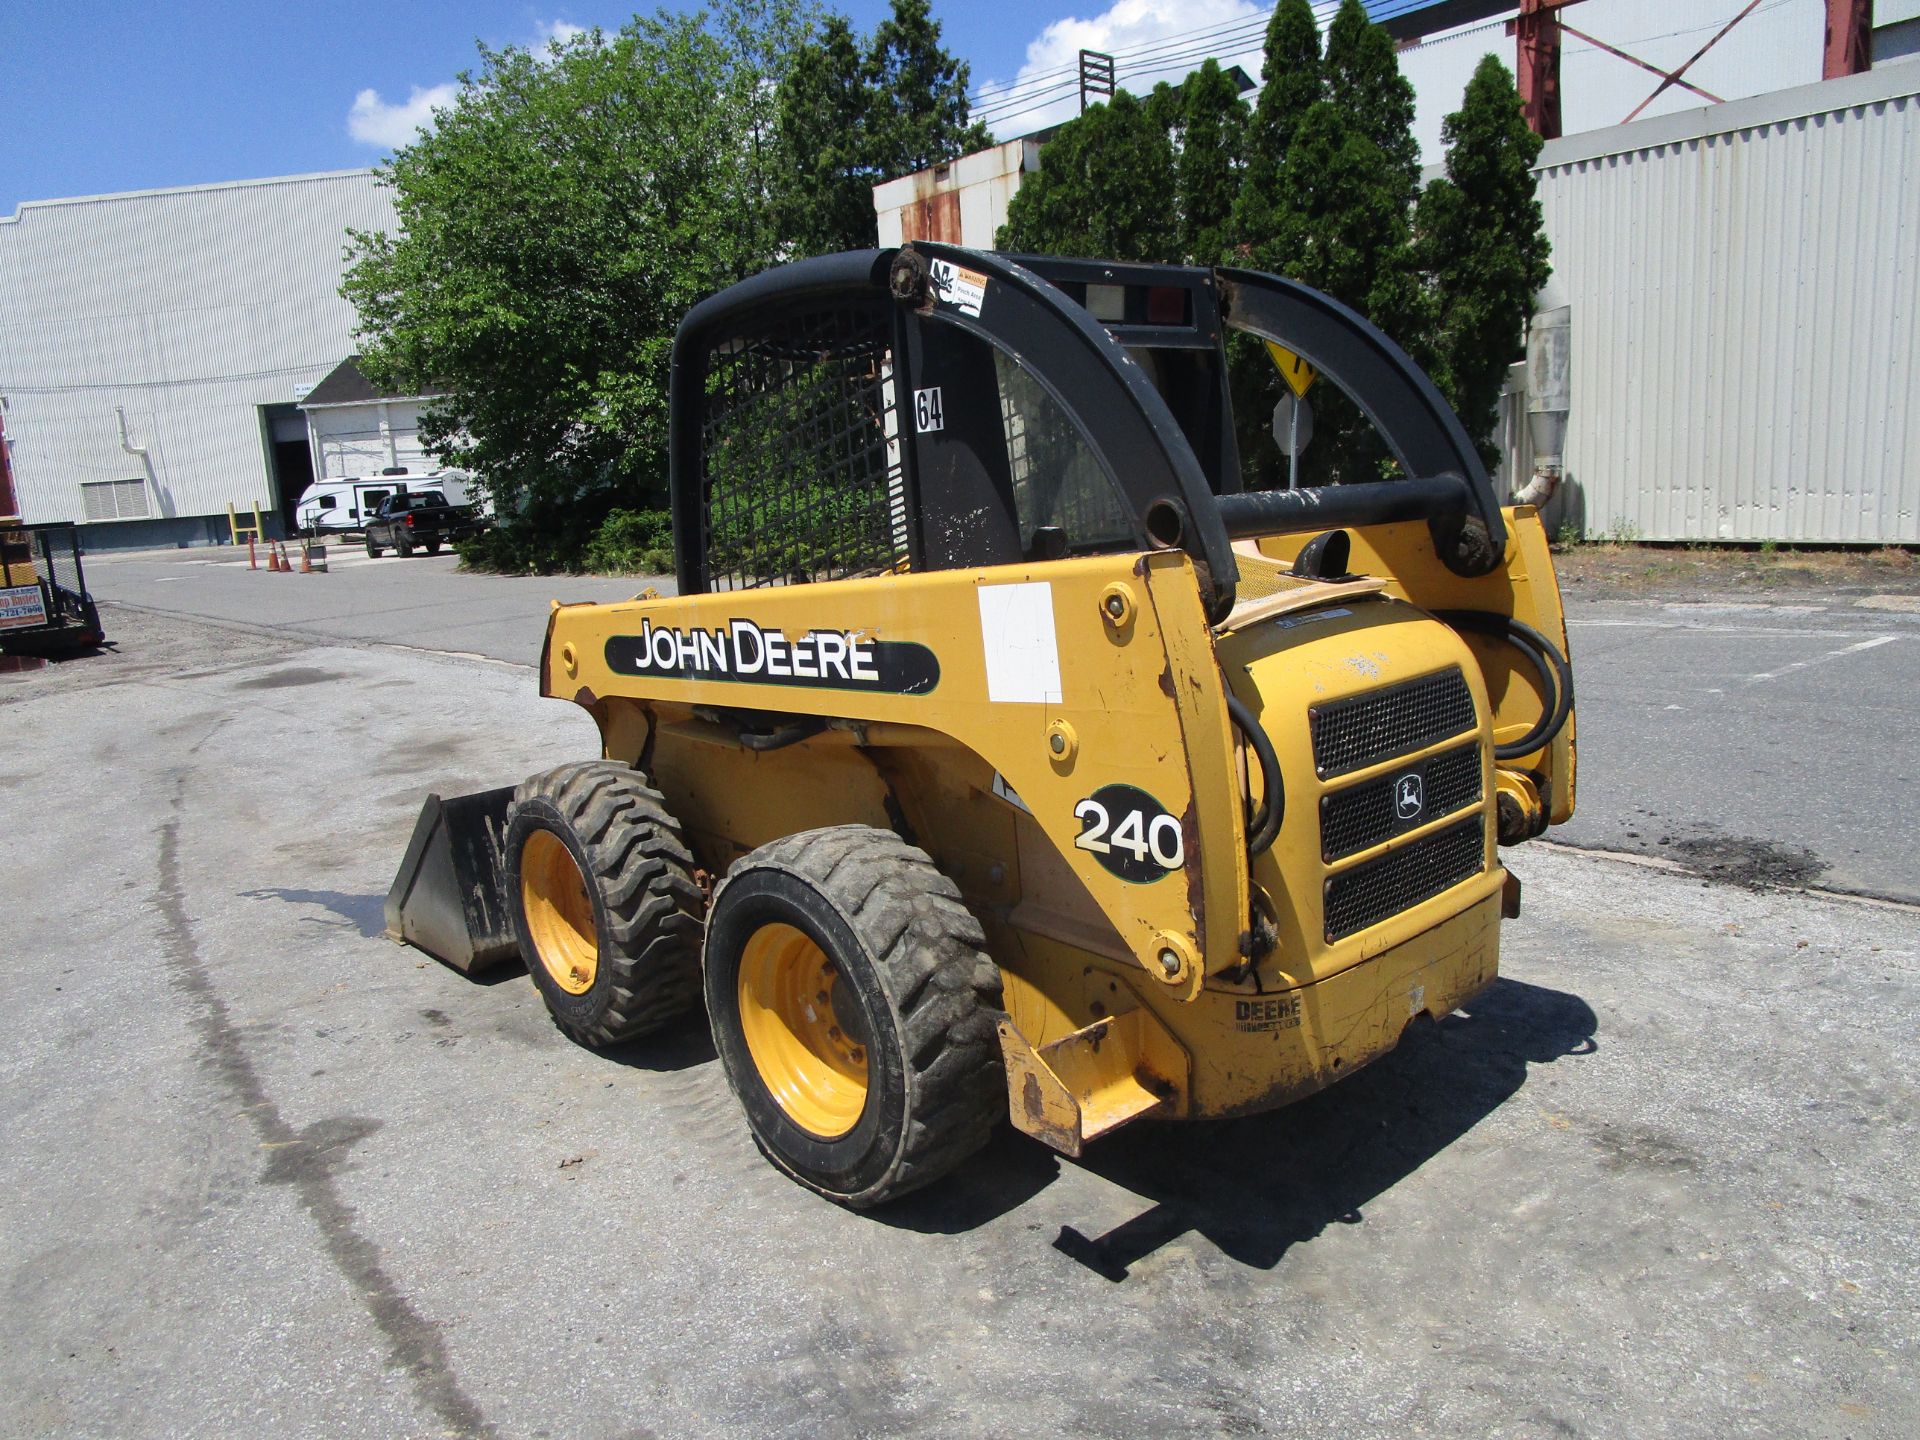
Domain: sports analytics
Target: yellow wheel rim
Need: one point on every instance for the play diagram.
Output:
(812, 1057)
(559, 913)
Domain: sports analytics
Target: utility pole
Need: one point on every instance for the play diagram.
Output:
(1096, 77)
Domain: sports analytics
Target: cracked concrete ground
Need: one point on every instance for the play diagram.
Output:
(263, 1169)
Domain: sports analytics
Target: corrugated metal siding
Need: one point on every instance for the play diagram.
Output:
(351, 441)
(189, 308)
(1746, 321)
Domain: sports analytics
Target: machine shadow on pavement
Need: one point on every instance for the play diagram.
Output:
(1255, 1187)
(363, 912)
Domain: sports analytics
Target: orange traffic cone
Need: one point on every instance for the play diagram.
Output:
(306, 564)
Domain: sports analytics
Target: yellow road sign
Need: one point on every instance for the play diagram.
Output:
(1298, 374)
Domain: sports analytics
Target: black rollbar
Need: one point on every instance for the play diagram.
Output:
(1324, 507)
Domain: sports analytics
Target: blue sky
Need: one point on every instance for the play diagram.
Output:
(129, 96)
(104, 97)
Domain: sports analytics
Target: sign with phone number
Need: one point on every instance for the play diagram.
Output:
(21, 607)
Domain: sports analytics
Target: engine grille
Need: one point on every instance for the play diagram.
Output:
(1363, 815)
(1395, 720)
(1375, 889)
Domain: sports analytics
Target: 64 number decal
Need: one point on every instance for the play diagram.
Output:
(928, 413)
(1130, 833)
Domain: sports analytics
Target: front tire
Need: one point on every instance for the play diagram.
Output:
(604, 902)
(854, 1012)
(373, 550)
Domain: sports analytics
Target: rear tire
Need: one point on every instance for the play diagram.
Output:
(854, 1012)
(604, 902)
(433, 547)
(404, 546)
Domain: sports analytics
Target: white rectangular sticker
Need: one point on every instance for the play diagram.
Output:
(21, 607)
(928, 413)
(965, 290)
(1023, 657)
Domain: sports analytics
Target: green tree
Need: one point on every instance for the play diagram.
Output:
(849, 119)
(1326, 199)
(824, 145)
(1101, 190)
(921, 94)
(555, 224)
(1294, 81)
(1364, 80)
(1166, 107)
(1213, 137)
(1482, 241)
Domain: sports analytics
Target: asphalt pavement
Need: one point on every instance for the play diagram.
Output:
(1773, 742)
(423, 601)
(266, 1171)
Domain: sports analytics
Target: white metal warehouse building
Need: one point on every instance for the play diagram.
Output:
(154, 346)
(1744, 282)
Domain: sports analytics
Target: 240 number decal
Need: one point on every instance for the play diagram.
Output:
(1130, 833)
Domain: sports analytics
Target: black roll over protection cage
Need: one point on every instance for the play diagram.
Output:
(933, 407)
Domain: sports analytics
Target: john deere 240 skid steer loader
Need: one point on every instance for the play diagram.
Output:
(999, 755)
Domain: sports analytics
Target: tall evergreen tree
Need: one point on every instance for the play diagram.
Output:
(1101, 190)
(1167, 108)
(1212, 148)
(825, 146)
(1482, 241)
(1294, 82)
(849, 119)
(1364, 79)
(918, 96)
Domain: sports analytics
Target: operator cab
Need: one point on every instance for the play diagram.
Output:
(936, 408)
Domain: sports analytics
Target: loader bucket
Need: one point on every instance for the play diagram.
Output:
(449, 898)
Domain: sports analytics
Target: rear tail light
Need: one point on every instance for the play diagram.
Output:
(409, 522)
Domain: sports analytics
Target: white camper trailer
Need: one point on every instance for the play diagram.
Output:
(335, 507)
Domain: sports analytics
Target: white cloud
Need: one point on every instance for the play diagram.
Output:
(1150, 40)
(372, 121)
(558, 32)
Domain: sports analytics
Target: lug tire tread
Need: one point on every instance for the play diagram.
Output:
(644, 873)
(929, 951)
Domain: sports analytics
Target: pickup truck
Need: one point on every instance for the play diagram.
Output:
(426, 520)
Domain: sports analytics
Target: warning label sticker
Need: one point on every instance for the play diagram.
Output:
(955, 285)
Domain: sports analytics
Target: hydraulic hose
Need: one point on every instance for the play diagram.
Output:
(1264, 825)
(1556, 675)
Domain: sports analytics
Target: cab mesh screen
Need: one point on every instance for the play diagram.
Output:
(801, 452)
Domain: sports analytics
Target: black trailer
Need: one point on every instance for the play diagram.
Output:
(44, 604)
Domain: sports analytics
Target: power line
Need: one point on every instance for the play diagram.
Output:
(1167, 52)
(1224, 34)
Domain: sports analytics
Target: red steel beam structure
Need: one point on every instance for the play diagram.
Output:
(1849, 28)
(1537, 64)
(9, 503)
